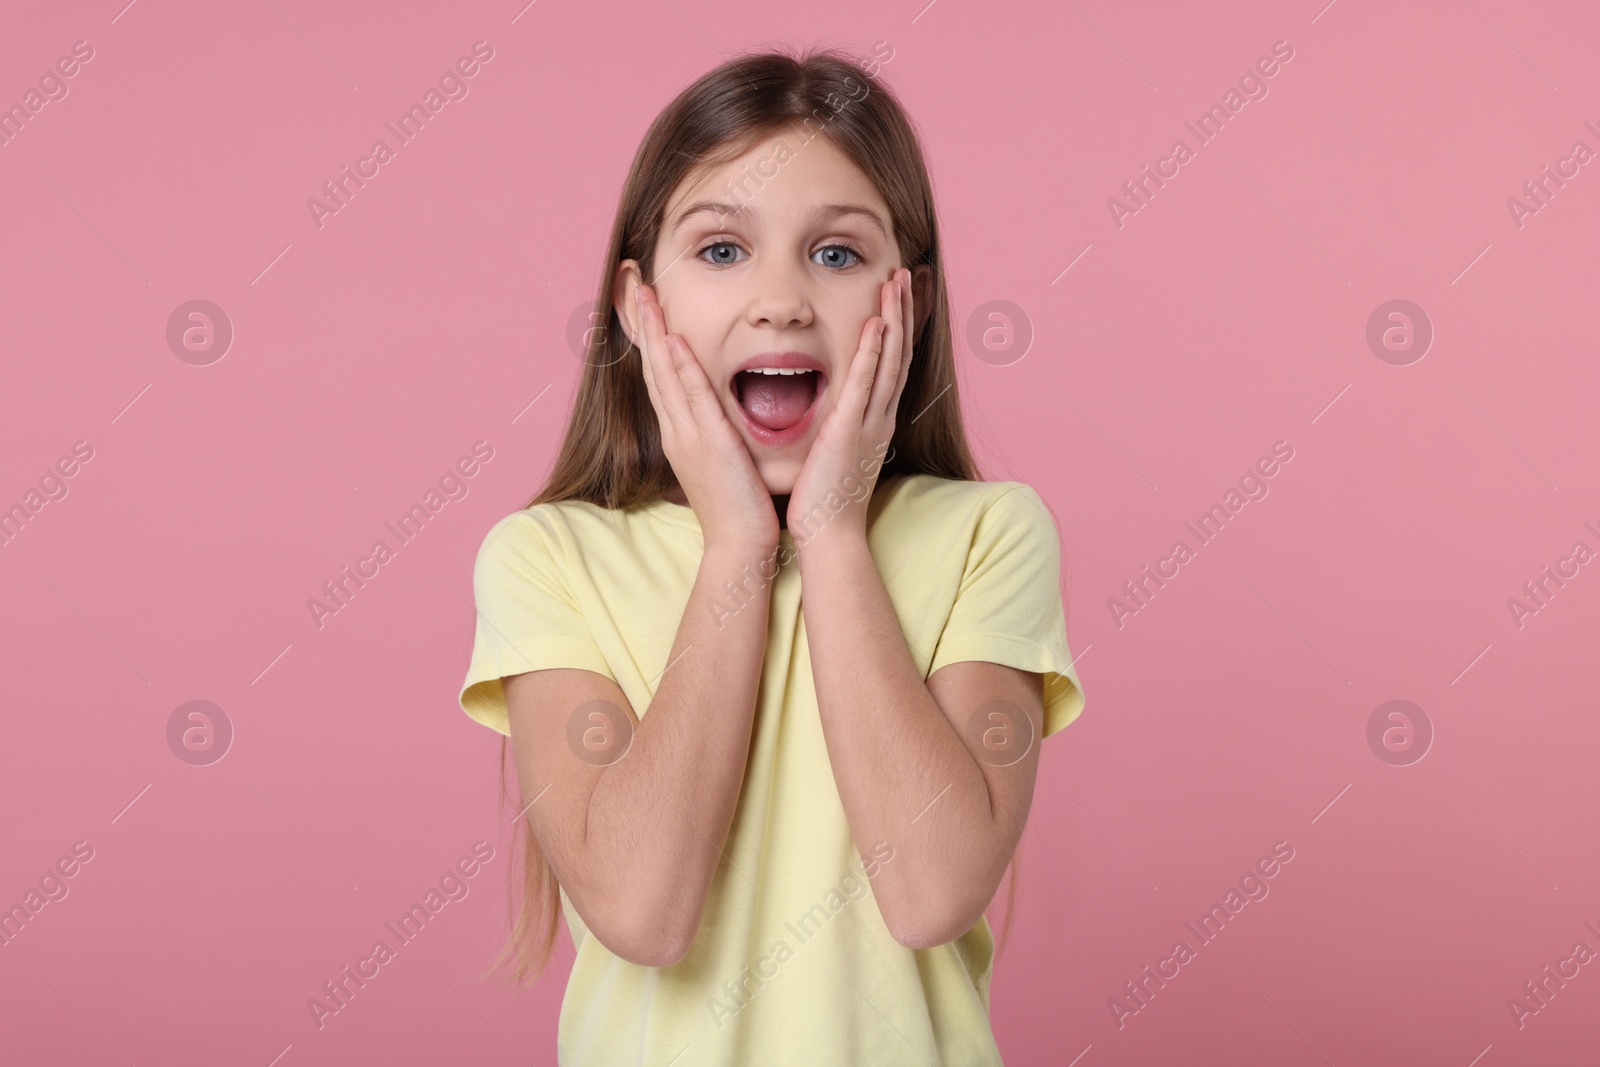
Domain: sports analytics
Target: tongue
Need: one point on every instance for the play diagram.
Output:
(776, 401)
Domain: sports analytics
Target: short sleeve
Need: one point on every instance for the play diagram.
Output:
(527, 617)
(1008, 607)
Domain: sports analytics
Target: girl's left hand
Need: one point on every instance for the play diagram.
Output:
(852, 443)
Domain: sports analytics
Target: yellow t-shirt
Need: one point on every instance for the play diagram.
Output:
(792, 963)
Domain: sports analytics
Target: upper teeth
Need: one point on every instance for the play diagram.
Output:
(780, 370)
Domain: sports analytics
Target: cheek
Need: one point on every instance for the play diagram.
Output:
(689, 317)
(847, 334)
(705, 343)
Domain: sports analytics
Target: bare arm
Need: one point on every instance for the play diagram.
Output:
(634, 828)
(913, 767)
(942, 771)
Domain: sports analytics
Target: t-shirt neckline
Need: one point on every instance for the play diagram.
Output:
(677, 514)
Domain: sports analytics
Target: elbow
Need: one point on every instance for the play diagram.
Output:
(652, 951)
(657, 949)
(918, 937)
(926, 936)
(644, 939)
(932, 927)
(636, 922)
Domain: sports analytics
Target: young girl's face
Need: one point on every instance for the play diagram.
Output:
(773, 260)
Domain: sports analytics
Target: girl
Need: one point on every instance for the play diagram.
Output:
(772, 661)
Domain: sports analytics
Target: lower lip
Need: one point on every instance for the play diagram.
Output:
(779, 438)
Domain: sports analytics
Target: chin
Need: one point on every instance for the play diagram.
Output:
(779, 475)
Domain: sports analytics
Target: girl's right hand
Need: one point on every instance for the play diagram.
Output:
(708, 456)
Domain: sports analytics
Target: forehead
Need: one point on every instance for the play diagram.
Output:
(780, 178)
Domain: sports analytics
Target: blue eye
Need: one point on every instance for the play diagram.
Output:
(718, 244)
(840, 248)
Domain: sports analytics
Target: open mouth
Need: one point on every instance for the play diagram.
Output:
(778, 403)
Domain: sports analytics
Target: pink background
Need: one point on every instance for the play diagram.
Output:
(1229, 313)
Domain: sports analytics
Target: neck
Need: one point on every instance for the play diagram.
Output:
(780, 504)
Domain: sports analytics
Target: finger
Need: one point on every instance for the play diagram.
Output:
(706, 416)
(908, 349)
(857, 389)
(885, 386)
(692, 392)
(644, 356)
(690, 397)
(702, 398)
(673, 360)
(668, 390)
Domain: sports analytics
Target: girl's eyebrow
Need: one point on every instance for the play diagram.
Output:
(818, 212)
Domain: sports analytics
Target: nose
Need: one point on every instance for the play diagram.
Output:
(780, 295)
